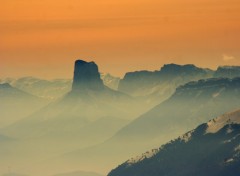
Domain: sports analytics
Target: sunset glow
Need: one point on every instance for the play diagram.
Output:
(43, 38)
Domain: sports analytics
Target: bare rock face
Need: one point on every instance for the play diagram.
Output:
(86, 76)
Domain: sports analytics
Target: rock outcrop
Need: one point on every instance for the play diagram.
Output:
(86, 76)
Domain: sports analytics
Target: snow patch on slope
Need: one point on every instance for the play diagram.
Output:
(218, 123)
(237, 149)
(186, 137)
(146, 155)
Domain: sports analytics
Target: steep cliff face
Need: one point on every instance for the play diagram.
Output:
(86, 76)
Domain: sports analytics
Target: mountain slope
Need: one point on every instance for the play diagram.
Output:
(52, 90)
(48, 89)
(191, 104)
(155, 87)
(110, 81)
(89, 114)
(227, 72)
(16, 104)
(212, 149)
(88, 101)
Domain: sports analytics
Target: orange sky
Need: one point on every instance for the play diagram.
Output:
(43, 37)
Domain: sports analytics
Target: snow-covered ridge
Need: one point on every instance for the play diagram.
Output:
(213, 126)
(218, 123)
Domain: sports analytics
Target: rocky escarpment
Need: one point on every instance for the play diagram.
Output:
(86, 76)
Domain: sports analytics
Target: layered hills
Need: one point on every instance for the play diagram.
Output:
(16, 104)
(191, 104)
(87, 115)
(92, 124)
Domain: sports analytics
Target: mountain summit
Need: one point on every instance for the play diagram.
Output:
(86, 76)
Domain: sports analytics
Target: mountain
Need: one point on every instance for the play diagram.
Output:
(79, 173)
(52, 90)
(155, 87)
(16, 104)
(212, 149)
(88, 102)
(47, 89)
(191, 104)
(87, 115)
(110, 81)
(227, 72)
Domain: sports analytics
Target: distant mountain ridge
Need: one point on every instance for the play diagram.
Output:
(212, 149)
(195, 100)
(52, 90)
(156, 86)
(47, 89)
(88, 125)
(150, 86)
(16, 104)
(87, 115)
(191, 105)
(88, 101)
(227, 72)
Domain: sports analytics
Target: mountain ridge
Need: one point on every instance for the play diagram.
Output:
(184, 110)
(218, 152)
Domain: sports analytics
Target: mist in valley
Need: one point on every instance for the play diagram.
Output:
(89, 125)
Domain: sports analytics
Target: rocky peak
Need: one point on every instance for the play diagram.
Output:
(86, 76)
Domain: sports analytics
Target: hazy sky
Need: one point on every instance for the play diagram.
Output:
(43, 37)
